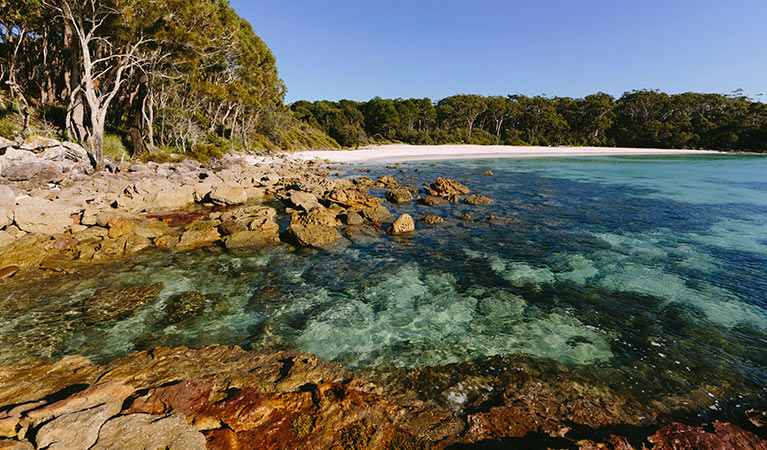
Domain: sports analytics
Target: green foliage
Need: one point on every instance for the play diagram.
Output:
(637, 119)
(206, 152)
(114, 147)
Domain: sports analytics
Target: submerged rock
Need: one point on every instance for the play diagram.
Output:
(186, 304)
(677, 436)
(477, 199)
(118, 303)
(432, 220)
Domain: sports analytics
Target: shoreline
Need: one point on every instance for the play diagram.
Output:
(404, 152)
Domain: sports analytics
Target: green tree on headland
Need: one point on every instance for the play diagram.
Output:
(641, 118)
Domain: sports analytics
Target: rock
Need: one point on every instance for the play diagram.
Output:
(118, 226)
(264, 224)
(377, 214)
(352, 198)
(399, 196)
(112, 303)
(432, 220)
(302, 200)
(677, 436)
(145, 431)
(7, 202)
(248, 238)
(445, 187)
(26, 252)
(109, 249)
(186, 304)
(167, 241)
(388, 181)
(173, 198)
(60, 263)
(75, 431)
(6, 238)
(432, 200)
(757, 418)
(477, 199)
(404, 224)
(37, 215)
(135, 243)
(487, 173)
(231, 226)
(199, 238)
(12, 444)
(203, 223)
(316, 236)
(152, 229)
(320, 216)
(228, 194)
(8, 271)
(353, 218)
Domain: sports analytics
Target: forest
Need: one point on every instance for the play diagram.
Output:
(642, 118)
(189, 76)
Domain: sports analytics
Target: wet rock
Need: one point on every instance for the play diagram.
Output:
(199, 238)
(109, 249)
(404, 224)
(118, 226)
(477, 199)
(445, 187)
(228, 194)
(60, 263)
(487, 173)
(388, 181)
(167, 241)
(231, 226)
(135, 243)
(8, 271)
(26, 252)
(677, 436)
(252, 239)
(186, 304)
(757, 418)
(377, 214)
(352, 198)
(353, 218)
(37, 215)
(399, 196)
(118, 303)
(319, 216)
(302, 200)
(144, 431)
(432, 200)
(316, 236)
(432, 220)
(151, 230)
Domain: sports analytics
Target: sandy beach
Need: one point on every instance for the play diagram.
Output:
(403, 152)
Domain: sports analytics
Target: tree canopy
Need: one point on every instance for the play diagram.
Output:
(641, 118)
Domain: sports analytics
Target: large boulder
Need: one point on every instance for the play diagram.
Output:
(445, 187)
(7, 202)
(352, 198)
(399, 196)
(377, 214)
(302, 200)
(403, 225)
(228, 194)
(313, 235)
(38, 215)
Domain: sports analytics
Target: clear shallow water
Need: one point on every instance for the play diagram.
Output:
(647, 273)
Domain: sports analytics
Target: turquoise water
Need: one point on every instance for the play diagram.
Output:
(643, 272)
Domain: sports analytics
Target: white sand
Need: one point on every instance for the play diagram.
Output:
(402, 152)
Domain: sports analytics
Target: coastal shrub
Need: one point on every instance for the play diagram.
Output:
(114, 147)
(206, 152)
(8, 127)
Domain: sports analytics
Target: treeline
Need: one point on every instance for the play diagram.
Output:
(187, 74)
(637, 119)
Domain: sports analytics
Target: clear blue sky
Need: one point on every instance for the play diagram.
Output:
(338, 49)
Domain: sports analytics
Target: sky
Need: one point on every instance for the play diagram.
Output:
(336, 49)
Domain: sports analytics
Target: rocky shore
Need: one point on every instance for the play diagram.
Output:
(227, 398)
(56, 215)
